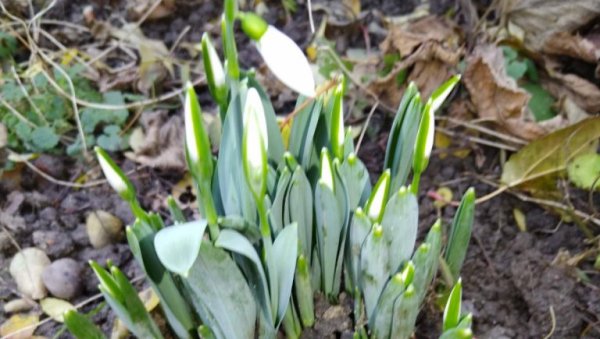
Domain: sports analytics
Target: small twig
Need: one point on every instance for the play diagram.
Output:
(477, 139)
(553, 323)
(26, 94)
(16, 113)
(308, 101)
(12, 239)
(364, 129)
(310, 16)
(485, 130)
(185, 31)
(148, 12)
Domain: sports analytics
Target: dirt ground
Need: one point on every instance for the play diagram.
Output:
(516, 284)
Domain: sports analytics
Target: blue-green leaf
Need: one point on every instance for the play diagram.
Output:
(285, 252)
(178, 246)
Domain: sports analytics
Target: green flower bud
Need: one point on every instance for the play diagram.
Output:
(326, 172)
(115, 177)
(254, 144)
(215, 74)
(337, 123)
(197, 144)
(376, 203)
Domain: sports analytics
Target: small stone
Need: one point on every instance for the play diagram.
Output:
(63, 278)
(56, 244)
(48, 214)
(103, 228)
(18, 305)
(26, 268)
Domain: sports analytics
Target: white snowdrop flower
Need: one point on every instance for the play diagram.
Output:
(281, 54)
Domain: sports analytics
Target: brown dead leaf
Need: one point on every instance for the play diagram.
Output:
(429, 47)
(542, 19)
(574, 46)
(19, 326)
(496, 96)
(566, 85)
(162, 144)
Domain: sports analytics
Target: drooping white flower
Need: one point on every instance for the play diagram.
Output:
(287, 62)
(281, 54)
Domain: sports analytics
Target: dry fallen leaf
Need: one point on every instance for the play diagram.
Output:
(19, 326)
(429, 47)
(56, 308)
(137, 9)
(540, 20)
(537, 166)
(162, 140)
(496, 96)
(520, 219)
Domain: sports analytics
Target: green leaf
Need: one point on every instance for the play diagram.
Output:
(299, 209)
(356, 177)
(541, 102)
(516, 69)
(381, 321)
(584, 171)
(81, 327)
(458, 333)
(400, 224)
(285, 252)
(441, 93)
(374, 268)
(176, 212)
(140, 237)
(304, 126)
(460, 233)
(329, 226)
(510, 53)
(237, 243)
(359, 230)
(221, 295)
(44, 138)
(8, 45)
(405, 314)
(426, 259)
(178, 246)
(304, 292)
(111, 140)
(453, 306)
(537, 166)
(399, 154)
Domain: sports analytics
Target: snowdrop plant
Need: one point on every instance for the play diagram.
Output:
(281, 222)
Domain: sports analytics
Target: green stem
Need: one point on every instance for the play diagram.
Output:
(211, 212)
(414, 186)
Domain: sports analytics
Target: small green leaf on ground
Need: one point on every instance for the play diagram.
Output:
(584, 171)
(541, 102)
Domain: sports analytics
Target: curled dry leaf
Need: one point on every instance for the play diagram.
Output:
(534, 16)
(430, 46)
(159, 145)
(496, 96)
(537, 166)
(582, 92)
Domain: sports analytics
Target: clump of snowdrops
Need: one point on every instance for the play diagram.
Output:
(285, 219)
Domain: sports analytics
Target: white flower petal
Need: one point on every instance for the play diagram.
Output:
(114, 179)
(217, 67)
(254, 110)
(190, 137)
(286, 60)
(430, 134)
